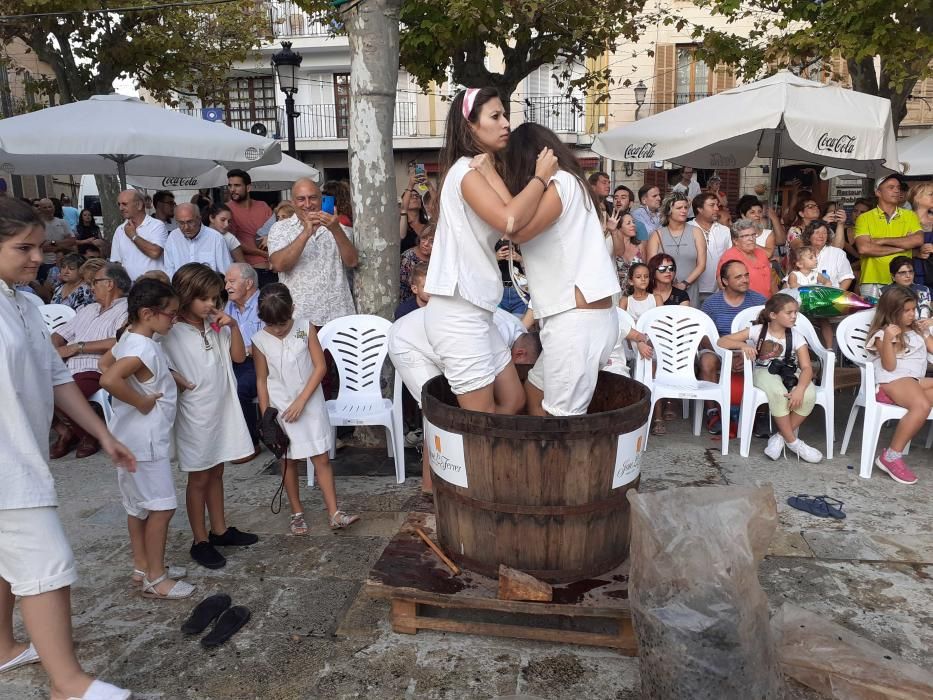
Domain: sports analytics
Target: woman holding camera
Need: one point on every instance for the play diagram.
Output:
(782, 371)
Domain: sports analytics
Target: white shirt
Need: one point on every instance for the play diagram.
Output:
(124, 251)
(570, 254)
(911, 362)
(718, 241)
(207, 247)
(91, 324)
(55, 230)
(29, 369)
(232, 242)
(464, 256)
(148, 436)
(318, 281)
(691, 190)
(407, 334)
(836, 264)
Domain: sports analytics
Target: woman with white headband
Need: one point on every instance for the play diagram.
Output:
(463, 276)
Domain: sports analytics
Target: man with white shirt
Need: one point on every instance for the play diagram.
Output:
(194, 242)
(139, 241)
(718, 240)
(311, 253)
(688, 184)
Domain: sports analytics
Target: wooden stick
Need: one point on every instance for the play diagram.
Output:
(437, 550)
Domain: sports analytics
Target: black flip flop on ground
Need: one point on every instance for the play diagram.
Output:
(205, 613)
(228, 625)
(820, 506)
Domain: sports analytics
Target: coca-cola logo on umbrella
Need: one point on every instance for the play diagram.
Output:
(635, 151)
(180, 182)
(844, 144)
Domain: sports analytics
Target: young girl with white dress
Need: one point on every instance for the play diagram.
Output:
(144, 397)
(290, 365)
(209, 425)
(463, 279)
(900, 344)
(36, 562)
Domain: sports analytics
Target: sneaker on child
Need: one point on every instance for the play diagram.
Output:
(775, 446)
(805, 451)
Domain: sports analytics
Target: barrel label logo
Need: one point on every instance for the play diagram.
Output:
(445, 453)
(628, 456)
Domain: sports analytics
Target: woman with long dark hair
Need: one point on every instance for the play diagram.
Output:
(463, 278)
(570, 274)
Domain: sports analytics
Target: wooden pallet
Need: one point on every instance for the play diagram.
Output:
(426, 596)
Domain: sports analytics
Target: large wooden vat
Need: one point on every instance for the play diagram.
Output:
(543, 495)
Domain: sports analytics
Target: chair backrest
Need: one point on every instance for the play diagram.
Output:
(359, 347)
(56, 315)
(746, 318)
(625, 318)
(851, 335)
(675, 333)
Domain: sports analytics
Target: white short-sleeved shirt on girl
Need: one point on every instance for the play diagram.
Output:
(209, 425)
(29, 369)
(772, 348)
(804, 279)
(464, 257)
(569, 254)
(148, 436)
(912, 362)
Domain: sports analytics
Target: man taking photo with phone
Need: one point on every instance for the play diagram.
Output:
(311, 253)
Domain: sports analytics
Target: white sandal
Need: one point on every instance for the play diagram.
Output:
(98, 690)
(174, 572)
(179, 591)
(29, 656)
(339, 520)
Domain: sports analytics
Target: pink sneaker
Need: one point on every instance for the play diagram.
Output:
(896, 469)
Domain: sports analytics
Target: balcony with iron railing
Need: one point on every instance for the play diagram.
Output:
(287, 19)
(682, 98)
(318, 121)
(556, 113)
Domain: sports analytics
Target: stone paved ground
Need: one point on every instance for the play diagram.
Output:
(314, 634)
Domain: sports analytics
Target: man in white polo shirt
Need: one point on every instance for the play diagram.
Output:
(194, 242)
(718, 240)
(139, 241)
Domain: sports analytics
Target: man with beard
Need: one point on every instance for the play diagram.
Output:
(247, 217)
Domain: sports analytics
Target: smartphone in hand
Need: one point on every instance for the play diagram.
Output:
(327, 204)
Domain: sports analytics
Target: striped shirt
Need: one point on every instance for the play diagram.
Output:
(88, 325)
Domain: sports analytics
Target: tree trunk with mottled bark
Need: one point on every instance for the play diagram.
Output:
(373, 30)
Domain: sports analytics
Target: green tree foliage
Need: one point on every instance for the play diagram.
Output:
(185, 50)
(448, 41)
(802, 34)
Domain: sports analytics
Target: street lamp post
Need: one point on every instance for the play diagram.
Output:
(286, 63)
(641, 92)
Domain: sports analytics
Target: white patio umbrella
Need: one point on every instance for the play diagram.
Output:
(266, 178)
(915, 153)
(780, 117)
(121, 135)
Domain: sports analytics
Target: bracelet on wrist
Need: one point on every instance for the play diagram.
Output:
(541, 180)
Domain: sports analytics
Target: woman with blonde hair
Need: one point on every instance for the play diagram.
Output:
(921, 201)
(683, 242)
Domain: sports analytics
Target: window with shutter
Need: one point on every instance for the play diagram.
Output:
(723, 79)
(665, 67)
(692, 77)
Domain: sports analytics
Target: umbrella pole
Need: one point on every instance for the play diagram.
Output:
(775, 164)
(121, 172)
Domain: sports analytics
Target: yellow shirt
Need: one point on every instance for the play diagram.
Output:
(875, 223)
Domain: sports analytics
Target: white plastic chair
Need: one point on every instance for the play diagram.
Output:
(102, 399)
(56, 315)
(752, 397)
(675, 333)
(851, 336)
(359, 347)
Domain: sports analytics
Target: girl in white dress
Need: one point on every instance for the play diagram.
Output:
(289, 368)
(209, 425)
(144, 397)
(464, 280)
